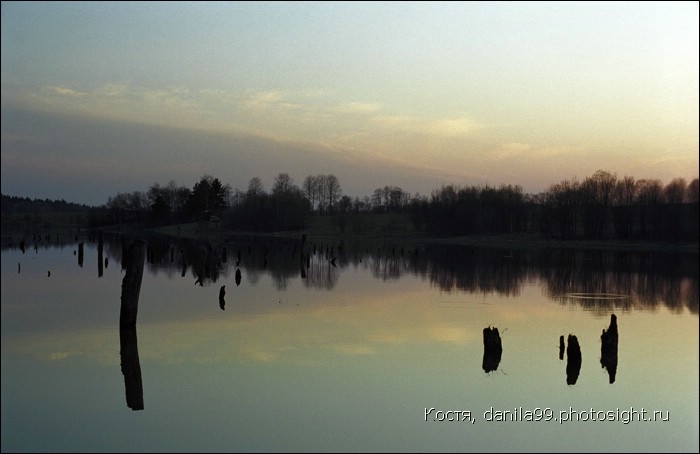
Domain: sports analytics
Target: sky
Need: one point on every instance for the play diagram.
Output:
(106, 97)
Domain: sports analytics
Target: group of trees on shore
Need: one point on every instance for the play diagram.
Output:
(25, 205)
(601, 206)
(285, 207)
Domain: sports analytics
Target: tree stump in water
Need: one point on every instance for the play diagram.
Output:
(493, 349)
(573, 360)
(131, 284)
(222, 302)
(133, 260)
(562, 347)
(608, 348)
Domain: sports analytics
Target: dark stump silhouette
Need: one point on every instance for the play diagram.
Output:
(573, 360)
(493, 349)
(131, 287)
(222, 302)
(562, 347)
(608, 348)
(302, 261)
(100, 261)
(131, 284)
(131, 368)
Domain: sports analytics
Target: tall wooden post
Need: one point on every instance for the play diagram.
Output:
(131, 287)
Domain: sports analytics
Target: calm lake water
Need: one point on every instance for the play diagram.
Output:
(338, 347)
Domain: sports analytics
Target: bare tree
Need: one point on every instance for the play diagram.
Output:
(625, 191)
(283, 184)
(649, 192)
(691, 192)
(333, 190)
(310, 188)
(321, 192)
(597, 193)
(649, 196)
(674, 192)
(255, 187)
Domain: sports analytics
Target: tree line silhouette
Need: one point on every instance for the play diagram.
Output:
(601, 206)
(285, 207)
(14, 204)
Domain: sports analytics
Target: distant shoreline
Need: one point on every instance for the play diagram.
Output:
(527, 241)
(316, 232)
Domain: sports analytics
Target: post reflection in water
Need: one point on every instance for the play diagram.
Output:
(392, 309)
(131, 368)
(597, 280)
(129, 352)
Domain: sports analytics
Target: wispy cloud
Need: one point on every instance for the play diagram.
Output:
(446, 127)
(516, 151)
(368, 130)
(266, 100)
(119, 101)
(63, 91)
(512, 150)
(355, 107)
(306, 115)
(452, 127)
(56, 356)
(354, 349)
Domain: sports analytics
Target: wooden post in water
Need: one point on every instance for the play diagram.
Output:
(493, 349)
(301, 257)
(573, 360)
(100, 253)
(562, 347)
(131, 287)
(131, 368)
(608, 348)
(131, 284)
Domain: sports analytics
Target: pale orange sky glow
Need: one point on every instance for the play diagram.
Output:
(100, 98)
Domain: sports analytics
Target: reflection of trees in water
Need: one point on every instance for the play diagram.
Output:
(320, 273)
(280, 258)
(472, 270)
(205, 261)
(601, 280)
(388, 267)
(596, 280)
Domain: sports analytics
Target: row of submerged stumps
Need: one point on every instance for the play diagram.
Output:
(493, 350)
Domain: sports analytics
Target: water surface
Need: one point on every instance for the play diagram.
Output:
(337, 347)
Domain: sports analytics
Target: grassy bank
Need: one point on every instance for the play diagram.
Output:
(26, 225)
(398, 229)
